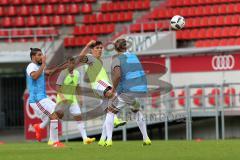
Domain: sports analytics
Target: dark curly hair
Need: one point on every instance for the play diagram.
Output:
(120, 45)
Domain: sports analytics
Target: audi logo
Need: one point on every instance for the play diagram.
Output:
(223, 62)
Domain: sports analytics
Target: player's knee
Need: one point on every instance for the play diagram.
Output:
(112, 109)
(53, 116)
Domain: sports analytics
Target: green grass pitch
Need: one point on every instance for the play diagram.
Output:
(159, 150)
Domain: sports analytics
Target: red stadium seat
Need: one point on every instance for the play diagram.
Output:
(76, 30)
(223, 42)
(149, 26)
(57, 20)
(231, 42)
(237, 42)
(36, 10)
(104, 7)
(69, 42)
(65, 1)
(86, 8)
(11, 11)
(51, 31)
(199, 43)
(61, 9)
(99, 19)
(129, 16)
(215, 42)
(41, 1)
(53, 1)
(217, 33)
(223, 9)
(16, 2)
(213, 95)
(73, 9)
(40, 32)
(146, 4)
(204, 21)
(44, 21)
(4, 33)
(28, 32)
(69, 20)
(228, 20)
(209, 33)
(229, 96)
(197, 100)
(109, 17)
(181, 98)
(23, 10)
(6, 22)
(4, 2)
(28, 2)
(49, 9)
(221, 21)
(135, 28)
(15, 33)
(1, 11)
(131, 5)
(109, 28)
(232, 8)
(233, 31)
(235, 19)
(32, 21)
(19, 22)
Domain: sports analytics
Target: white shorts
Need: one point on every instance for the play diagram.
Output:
(101, 86)
(125, 99)
(44, 108)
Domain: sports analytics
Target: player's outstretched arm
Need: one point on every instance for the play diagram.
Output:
(36, 74)
(83, 53)
(52, 70)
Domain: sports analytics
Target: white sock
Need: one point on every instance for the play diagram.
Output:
(44, 123)
(82, 129)
(141, 124)
(104, 134)
(109, 125)
(54, 130)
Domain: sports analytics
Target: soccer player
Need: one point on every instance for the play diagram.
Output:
(67, 90)
(128, 79)
(38, 100)
(98, 78)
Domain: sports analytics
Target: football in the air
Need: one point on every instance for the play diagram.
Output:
(177, 22)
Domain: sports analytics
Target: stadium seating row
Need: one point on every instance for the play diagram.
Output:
(213, 21)
(60, 9)
(125, 6)
(32, 21)
(217, 42)
(28, 39)
(32, 2)
(165, 13)
(78, 41)
(108, 17)
(209, 33)
(181, 3)
(28, 33)
(149, 26)
(94, 29)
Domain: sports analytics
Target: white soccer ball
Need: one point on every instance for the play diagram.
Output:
(177, 22)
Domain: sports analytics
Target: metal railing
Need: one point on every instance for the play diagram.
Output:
(167, 109)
